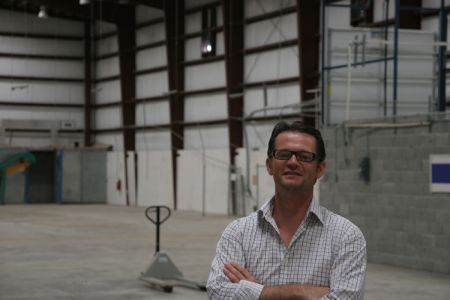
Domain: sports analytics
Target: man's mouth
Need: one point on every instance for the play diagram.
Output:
(292, 173)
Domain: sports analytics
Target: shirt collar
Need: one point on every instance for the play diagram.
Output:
(314, 209)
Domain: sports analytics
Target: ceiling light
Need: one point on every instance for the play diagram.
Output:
(84, 2)
(42, 12)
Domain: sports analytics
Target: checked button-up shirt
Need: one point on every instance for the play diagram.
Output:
(326, 250)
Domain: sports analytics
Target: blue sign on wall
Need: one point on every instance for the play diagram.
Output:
(440, 173)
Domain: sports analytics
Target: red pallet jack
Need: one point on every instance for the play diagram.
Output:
(162, 272)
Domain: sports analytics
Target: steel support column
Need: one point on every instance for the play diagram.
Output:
(233, 25)
(127, 43)
(410, 18)
(174, 22)
(87, 83)
(308, 23)
(127, 64)
(233, 20)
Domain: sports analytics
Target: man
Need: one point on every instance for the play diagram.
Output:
(291, 248)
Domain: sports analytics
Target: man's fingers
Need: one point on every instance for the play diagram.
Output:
(236, 273)
(232, 273)
(246, 274)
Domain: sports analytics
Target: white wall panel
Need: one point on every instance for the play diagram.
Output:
(155, 182)
(29, 23)
(108, 117)
(29, 45)
(193, 49)
(40, 140)
(193, 22)
(114, 139)
(192, 190)
(206, 107)
(153, 113)
(42, 92)
(115, 172)
(271, 31)
(147, 13)
(107, 45)
(271, 65)
(213, 137)
(199, 76)
(338, 17)
(102, 27)
(107, 91)
(261, 183)
(259, 133)
(153, 84)
(259, 7)
(409, 66)
(150, 58)
(379, 7)
(153, 140)
(44, 113)
(151, 34)
(38, 67)
(107, 67)
(280, 96)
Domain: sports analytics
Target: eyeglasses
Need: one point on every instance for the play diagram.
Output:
(304, 156)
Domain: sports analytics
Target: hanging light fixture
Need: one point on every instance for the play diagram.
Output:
(84, 2)
(42, 12)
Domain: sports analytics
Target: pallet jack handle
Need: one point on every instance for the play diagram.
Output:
(158, 221)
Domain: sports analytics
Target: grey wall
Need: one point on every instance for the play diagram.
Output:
(403, 222)
(83, 176)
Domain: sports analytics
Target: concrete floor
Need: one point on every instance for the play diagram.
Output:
(98, 251)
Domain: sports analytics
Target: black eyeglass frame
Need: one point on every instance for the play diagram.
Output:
(298, 155)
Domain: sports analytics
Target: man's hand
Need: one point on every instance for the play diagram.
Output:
(236, 273)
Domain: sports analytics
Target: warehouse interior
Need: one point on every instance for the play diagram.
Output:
(108, 107)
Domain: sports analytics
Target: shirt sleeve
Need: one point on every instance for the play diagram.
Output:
(229, 249)
(349, 268)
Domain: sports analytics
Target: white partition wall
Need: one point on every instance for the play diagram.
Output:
(203, 181)
(155, 182)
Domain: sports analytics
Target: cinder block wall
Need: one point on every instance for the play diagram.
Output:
(403, 222)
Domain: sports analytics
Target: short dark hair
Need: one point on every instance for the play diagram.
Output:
(284, 126)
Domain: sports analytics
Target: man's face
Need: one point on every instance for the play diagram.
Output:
(292, 174)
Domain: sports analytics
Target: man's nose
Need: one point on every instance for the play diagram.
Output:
(292, 160)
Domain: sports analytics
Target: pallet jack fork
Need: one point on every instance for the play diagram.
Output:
(162, 272)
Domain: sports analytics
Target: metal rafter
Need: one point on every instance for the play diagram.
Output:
(308, 16)
(174, 22)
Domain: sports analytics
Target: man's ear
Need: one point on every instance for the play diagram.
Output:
(321, 166)
(269, 166)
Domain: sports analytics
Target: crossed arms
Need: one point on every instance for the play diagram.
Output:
(236, 273)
